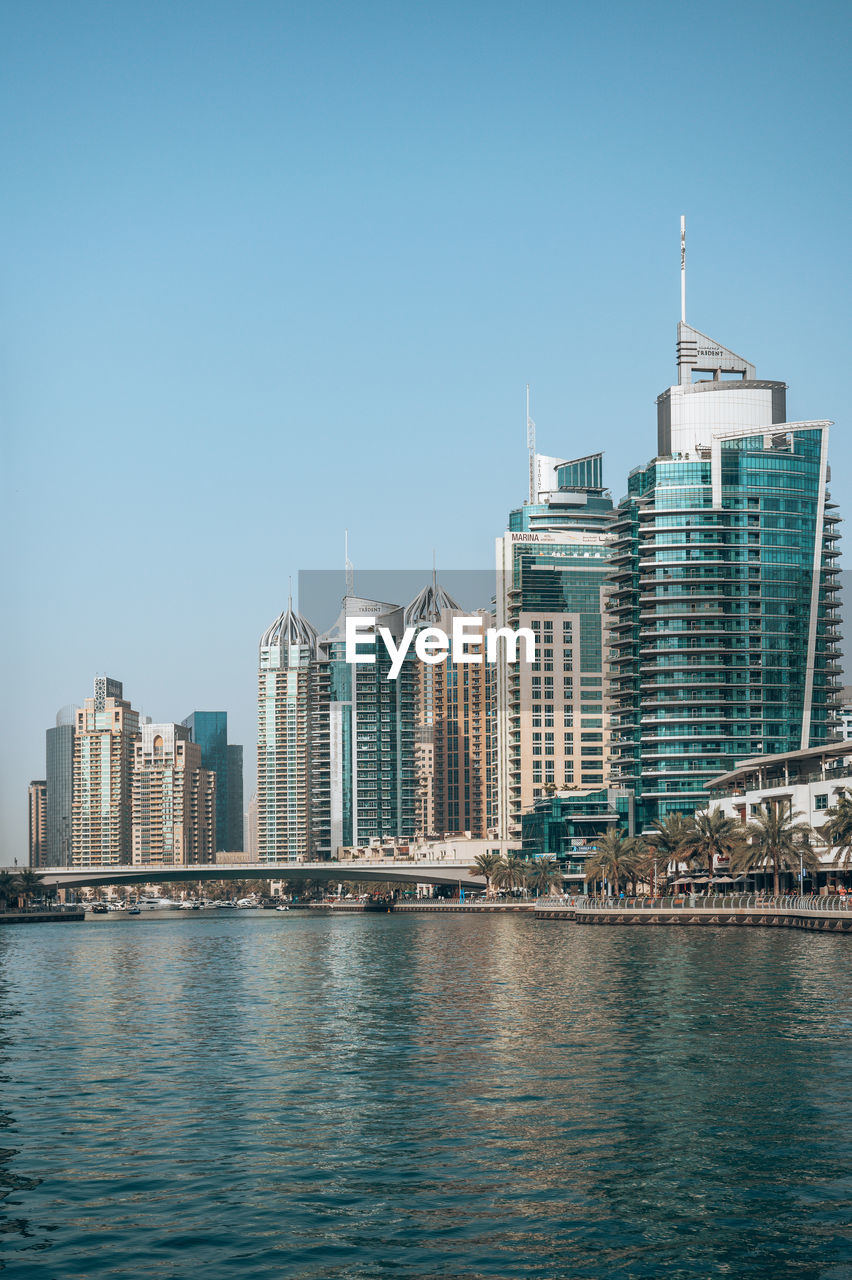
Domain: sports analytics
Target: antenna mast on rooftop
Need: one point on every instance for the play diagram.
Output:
(349, 568)
(531, 446)
(682, 269)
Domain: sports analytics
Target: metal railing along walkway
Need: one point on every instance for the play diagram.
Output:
(835, 910)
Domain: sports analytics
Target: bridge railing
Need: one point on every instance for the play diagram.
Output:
(729, 902)
(713, 902)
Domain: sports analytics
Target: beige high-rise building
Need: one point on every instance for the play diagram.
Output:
(250, 835)
(463, 781)
(105, 735)
(426, 610)
(453, 733)
(173, 799)
(38, 823)
(292, 742)
(552, 566)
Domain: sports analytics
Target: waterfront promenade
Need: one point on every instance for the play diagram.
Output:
(825, 913)
(42, 915)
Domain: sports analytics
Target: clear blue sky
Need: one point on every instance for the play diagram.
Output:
(275, 269)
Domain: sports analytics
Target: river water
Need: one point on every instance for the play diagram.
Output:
(260, 1095)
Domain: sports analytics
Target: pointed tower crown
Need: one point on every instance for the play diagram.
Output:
(289, 628)
(428, 605)
(696, 353)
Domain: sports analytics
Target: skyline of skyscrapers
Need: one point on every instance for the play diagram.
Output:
(348, 755)
(108, 799)
(690, 626)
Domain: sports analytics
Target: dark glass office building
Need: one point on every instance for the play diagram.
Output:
(59, 771)
(209, 729)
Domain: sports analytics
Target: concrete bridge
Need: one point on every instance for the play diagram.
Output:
(413, 871)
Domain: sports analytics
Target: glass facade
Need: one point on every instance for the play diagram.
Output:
(209, 729)
(723, 633)
(60, 768)
(292, 701)
(234, 811)
(552, 574)
(372, 723)
(567, 827)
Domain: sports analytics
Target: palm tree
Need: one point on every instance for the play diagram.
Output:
(544, 874)
(714, 835)
(487, 864)
(836, 831)
(778, 839)
(616, 859)
(8, 888)
(28, 883)
(639, 855)
(671, 840)
(511, 874)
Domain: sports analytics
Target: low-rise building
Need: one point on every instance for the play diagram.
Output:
(568, 824)
(454, 848)
(806, 782)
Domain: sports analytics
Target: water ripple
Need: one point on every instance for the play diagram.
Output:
(380, 1096)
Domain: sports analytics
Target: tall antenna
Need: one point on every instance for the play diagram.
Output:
(531, 446)
(290, 593)
(349, 568)
(682, 269)
(434, 571)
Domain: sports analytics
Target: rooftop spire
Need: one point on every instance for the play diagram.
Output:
(682, 269)
(348, 566)
(696, 353)
(428, 604)
(531, 446)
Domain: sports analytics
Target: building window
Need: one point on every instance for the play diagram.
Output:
(821, 801)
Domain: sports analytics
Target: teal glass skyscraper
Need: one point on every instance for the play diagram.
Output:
(371, 730)
(335, 761)
(723, 606)
(209, 729)
(59, 773)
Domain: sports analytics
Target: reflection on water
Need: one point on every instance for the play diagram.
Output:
(379, 1095)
